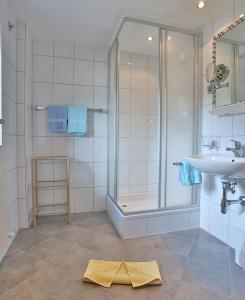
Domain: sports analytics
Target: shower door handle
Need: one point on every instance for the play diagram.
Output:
(177, 163)
(1, 121)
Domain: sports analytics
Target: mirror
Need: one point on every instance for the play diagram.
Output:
(226, 74)
(210, 71)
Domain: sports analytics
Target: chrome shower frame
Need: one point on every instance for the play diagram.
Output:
(163, 94)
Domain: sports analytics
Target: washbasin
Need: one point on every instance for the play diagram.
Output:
(219, 165)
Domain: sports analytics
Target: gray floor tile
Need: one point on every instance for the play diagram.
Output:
(207, 273)
(176, 242)
(13, 252)
(27, 238)
(48, 262)
(187, 234)
(170, 265)
(205, 241)
(3, 289)
(164, 292)
(217, 258)
(188, 291)
(237, 280)
(9, 295)
(19, 268)
(48, 283)
(91, 219)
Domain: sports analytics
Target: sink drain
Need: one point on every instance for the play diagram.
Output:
(124, 205)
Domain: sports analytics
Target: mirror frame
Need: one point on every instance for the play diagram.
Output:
(215, 39)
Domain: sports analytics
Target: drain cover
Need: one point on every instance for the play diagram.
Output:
(124, 205)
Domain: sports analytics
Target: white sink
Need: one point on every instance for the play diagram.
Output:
(219, 165)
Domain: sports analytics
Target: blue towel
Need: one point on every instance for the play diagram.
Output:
(189, 175)
(77, 119)
(57, 118)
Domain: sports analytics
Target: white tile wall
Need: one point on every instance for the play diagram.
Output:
(84, 200)
(100, 74)
(85, 95)
(100, 97)
(42, 47)
(62, 94)
(84, 53)
(62, 49)
(42, 68)
(42, 93)
(24, 123)
(221, 129)
(63, 70)
(99, 198)
(8, 157)
(83, 72)
(67, 74)
(138, 123)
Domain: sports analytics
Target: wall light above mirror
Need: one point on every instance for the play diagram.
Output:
(226, 73)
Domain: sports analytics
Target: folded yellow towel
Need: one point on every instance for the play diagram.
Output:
(136, 274)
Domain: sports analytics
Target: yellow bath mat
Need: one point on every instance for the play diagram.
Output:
(136, 274)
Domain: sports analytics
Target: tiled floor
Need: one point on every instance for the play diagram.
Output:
(46, 263)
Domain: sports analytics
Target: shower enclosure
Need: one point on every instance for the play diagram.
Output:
(152, 122)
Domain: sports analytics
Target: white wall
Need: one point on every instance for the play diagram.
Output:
(8, 150)
(24, 123)
(222, 130)
(68, 74)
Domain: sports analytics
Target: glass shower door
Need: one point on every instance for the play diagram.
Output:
(138, 105)
(178, 114)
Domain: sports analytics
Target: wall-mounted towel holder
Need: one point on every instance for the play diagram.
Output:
(100, 110)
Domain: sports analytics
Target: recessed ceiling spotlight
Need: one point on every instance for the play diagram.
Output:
(201, 4)
(149, 38)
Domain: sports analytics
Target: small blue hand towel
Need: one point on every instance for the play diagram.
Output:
(189, 175)
(77, 119)
(57, 118)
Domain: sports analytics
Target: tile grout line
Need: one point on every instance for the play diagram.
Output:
(187, 258)
(230, 273)
(53, 85)
(93, 138)
(73, 150)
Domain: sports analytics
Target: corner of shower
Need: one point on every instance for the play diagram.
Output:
(153, 96)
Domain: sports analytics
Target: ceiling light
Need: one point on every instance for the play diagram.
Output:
(201, 4)
(149, 38)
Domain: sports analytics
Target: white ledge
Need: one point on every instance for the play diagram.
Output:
(229, 110)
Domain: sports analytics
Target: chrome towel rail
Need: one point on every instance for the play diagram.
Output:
(100, 110)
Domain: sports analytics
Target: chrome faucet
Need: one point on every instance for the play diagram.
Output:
(237, 150)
